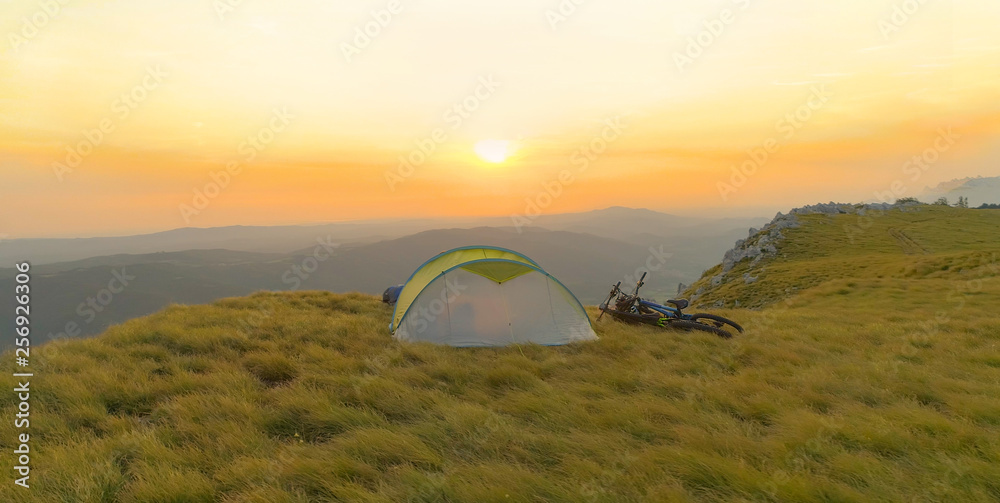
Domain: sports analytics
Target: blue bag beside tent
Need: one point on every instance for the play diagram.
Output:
(391, 294)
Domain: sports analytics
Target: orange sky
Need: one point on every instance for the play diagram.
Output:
(650, 104)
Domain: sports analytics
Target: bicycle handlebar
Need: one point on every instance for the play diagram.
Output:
(614, 290)
(638, 284)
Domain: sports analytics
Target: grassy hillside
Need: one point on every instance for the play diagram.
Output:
(855, 387)
(870, 251)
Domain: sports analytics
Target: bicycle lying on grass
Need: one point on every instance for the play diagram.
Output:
(632, 309)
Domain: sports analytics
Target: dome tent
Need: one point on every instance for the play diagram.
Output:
(487, 296)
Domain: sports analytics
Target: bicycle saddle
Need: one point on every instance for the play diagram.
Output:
(678, 303)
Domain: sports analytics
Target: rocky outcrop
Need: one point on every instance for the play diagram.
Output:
(762, 244)
(759, 244)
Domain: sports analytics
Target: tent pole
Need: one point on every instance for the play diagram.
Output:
(506, 309)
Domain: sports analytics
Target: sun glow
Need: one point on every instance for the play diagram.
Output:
(494, 151)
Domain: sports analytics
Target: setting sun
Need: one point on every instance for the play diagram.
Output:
(323, 112)
(495, 151)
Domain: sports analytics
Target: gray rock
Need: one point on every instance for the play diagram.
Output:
(733, 257)
(784, 223)
(879, 206)
(830, 208)
(753, 249)
(717, 280)
(681, 287)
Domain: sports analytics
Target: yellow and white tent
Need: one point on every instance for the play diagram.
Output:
(487, 296)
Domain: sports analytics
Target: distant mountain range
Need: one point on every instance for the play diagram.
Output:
(616, 223)
(76, 290)
(979, 191)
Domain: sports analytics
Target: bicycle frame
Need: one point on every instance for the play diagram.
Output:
(630, 308)
(666, 312)
(670, 312)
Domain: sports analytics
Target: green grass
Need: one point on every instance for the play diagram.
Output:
(854, 388)
(923, 242)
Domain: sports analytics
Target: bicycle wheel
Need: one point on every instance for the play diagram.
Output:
(715, 321)
(692, 325)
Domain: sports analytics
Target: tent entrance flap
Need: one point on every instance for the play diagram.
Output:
(499, 271)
